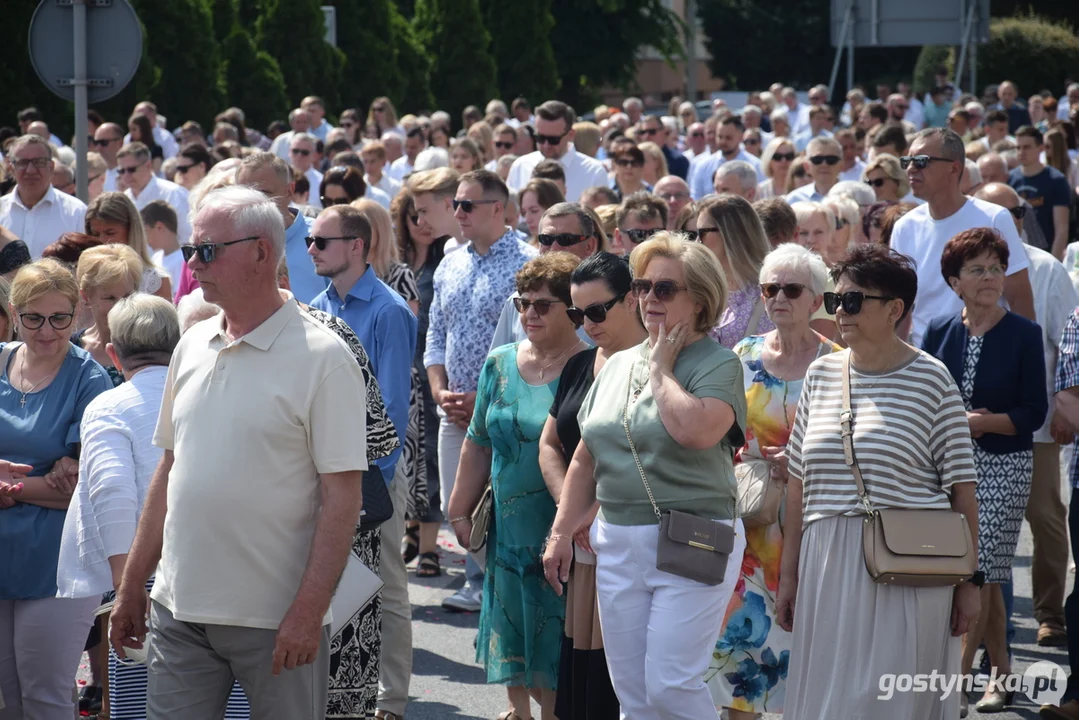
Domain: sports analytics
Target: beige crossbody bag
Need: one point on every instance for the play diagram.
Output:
(916, 548)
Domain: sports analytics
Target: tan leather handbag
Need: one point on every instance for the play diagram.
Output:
(760, 495)
(915, 548)
(481, 519)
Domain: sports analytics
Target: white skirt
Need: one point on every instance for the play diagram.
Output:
(852, 636)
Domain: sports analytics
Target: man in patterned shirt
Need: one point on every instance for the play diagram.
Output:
(470, 285)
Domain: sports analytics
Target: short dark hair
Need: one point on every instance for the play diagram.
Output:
(348, 158)
(549, 170)
(557, 110)
(968, 245)
(30, 114)
(890, 217)
(878, 267)
(600, 191)
(1031, 132)
(995, 116)
(159, 211)
(416, 132)
(778, 219)
(491, 183)
(633, 152)
(197, 154)
(353, 222)
(349, 178)
(553, 270)
(548, 194)
(607, 267)
(961, 114)
(520, 102)
(339, 145)
(300, 182)
(733, 120)
(644, 205)
(951, 145)
(891, 135)
(877, 111)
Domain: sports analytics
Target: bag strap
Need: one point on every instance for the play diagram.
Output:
(632, 447)
(846, 421)
(755, 317)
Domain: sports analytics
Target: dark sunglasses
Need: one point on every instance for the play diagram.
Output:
(821, 159)
(125, 170)
(321, 242)
(1018, 212)
(542, 307)
(628, 163)
(105, 142)
(789, 157)
(663, 289)
(752, 141)
(648, 132)
(329, 202)
(596, 312)
(702, 231)
(414, 219)
(380, 108)
(851, 302)
(696, 134)
(504, 145)
(182, 169)
(300, 151)
(879, 182)
(920, 161)
(469, 205)
(550, 139)
(793, 291)
(563, 240)
(691, 235)
(208, 251)
(59, 321)
(639, 236)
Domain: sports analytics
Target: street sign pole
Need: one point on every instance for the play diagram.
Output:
(82, 105)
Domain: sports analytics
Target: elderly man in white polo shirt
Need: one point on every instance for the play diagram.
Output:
(252, 510)
(554, 138)
(35, 211)
(136, 175)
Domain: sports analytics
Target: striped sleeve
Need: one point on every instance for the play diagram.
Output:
(952, 448)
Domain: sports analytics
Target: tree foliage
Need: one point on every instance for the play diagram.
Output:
(413, 65)
(224, 18)
(1034, 52)
(247, 12)
(294, 32)
(253, 80)
(521, 45)
(364, 36)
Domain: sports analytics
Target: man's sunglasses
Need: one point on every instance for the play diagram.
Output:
(300, 151)
(208, 251)
(793, 291)
(851, 302)
(664, 289)
(550, 139)
(542, 307)
(34, 321)
(467, 206)
(639, 236)
(1018, 212)
(563, 240)
(596, 312)
(120, 170)
(920, 161)
(105, 142)
(648, 132)
(822, 159)
(877, 182)
(321, 242)
(504, 145)
(780, 157)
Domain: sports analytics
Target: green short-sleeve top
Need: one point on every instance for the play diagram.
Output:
(699, 482)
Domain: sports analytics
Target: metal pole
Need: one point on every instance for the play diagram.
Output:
(691, 50)
(850, 50)
(967, 32)
(974, 69)
(82, 106)
(847, 18)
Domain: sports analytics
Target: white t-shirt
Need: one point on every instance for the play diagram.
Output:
(922, 238)
(173, 264)
(1055, 299)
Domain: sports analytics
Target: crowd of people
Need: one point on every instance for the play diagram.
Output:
(634, 362)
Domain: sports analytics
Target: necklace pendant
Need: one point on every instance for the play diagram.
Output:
(22, 401)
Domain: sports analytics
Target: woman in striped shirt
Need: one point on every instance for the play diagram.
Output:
(914, 451)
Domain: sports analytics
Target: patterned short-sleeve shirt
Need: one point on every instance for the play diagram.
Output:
(1068, 374)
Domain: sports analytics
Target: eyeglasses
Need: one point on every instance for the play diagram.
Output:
(379, 108)
(121, 170)
(34, 321)
(550, 139)
(780, 157)
(104, 143)
(467, 206)
(877, 182)
(39, 163)
(664, 289)
(979, 271)
(752, 141)
(321, 242)
(300, 151)
(821, 159)
(596, 312)
(1018, 212)
(208, 251)
(330, 202)
(851, 302)
(563, 240)
(673, 196)
(92, 178)
(182, 169)
(702, 231)
(639, 236)
(504, 145)
(628, 163)
(647, 132)
(542, 306)
(347, 124)
(920, 161)
(793, 291)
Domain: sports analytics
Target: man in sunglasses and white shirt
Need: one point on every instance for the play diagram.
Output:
(823, 155)
(935, 167)
(136, 175)
(554, 138)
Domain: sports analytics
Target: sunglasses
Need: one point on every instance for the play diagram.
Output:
(702, 231)
(414, 219)
(329, 202)
(851, 302)
(121, 170)
(664, 289)
(321, 242)
(208, 251)
(793, 291)
(596, 312)
(822, 159)
(182, 169)
(696, 134)
(691, 235)
(563, 240)
(347, 124)
(504, 145)
(550, 139)
(1018, 212)
(542, 306)
(920, 161)
(780, 157)
(467, 206)
(105, 142)
(878, 182)
(751, 141)
(628, 163)
(647, 132)
(902, 107)
(380, 108)
(34, 321)
(299, 151)
(639, 236)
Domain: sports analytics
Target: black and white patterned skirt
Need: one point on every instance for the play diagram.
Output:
(1003, 490)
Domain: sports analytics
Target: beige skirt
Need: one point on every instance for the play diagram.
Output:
(582, 610)
(852, 637)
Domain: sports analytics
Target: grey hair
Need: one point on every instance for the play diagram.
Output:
(670, 122)
(193, 308)
(746, 173)
(303, 136)
(975, 105)
(294, 112)
(251, 213)
(67, 172)
(632, 102)
(215, 179)
(751, 110)
(393, 137)
(687, 105)
(495, 106)
(951, 144)
(258, 160)
(805, 210)
(845, 208)
(28, 139)
(431, 158)
(1073, 86)
(823, 141)
(973, 173)
(794, 257)
(565, 209)
(505, 160)
(780, 114)
(441, 116)
(144, 329)
(857, 191)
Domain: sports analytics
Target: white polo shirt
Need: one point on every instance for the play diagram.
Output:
(582, 172)
(42, 225)
(244, 492)
(386, 184)
(314, 180)
(173, 194)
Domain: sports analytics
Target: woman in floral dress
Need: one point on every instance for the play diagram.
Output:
(749, 666)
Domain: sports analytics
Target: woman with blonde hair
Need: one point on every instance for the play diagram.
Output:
(888, 180)
(112, 218)
(106, 275)
(848, 220)
(729, 227)
(466, 156)
(655, 165)
(776, 163)
(1056, 155)
(382, 115)
(484, 138)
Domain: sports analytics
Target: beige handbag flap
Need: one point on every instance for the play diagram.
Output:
(701, 533)
(925, 532)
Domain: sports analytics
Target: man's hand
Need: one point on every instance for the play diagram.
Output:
(128, 626)
(298, 639)
(1060, 430)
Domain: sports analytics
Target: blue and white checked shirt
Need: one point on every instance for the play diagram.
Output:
(1068, 372)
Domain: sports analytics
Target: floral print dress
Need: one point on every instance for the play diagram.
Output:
(748, 670)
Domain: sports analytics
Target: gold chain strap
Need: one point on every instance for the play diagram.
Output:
(632, 447)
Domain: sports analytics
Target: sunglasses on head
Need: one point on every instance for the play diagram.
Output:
(639, 236)
(664, 289)
(920, 161)
(793, 291)
(321, 242)
(541, 306)
(208, 251)
(851, 302)
(596, 312)
(877, 182)
(34, 321)
(822, 159)
(1018, 212)
(504, 145)
(563, 240)
(780, 157)
(550, 139)
(467, 206)
(300, 151)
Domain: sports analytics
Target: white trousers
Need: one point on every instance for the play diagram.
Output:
(41, 643)
(395, 668)
(659, 630)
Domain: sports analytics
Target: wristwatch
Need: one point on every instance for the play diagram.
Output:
(977, 579)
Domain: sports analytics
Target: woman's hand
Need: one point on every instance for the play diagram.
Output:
(8, 494)
(966, 606)
(788, 591)
(13, 472)
(667, 346)
(463, 530)
(556, 561)
(64, 476)
(777, 458)
(583, 536)
(974, 419)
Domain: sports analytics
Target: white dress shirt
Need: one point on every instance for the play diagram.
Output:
(374, 193)
(118, 459)
(1055, 299)
(110, 180)
(173, 264)
(281, 144)
(701, 179)
(855, 172)
(314, 179)
(399, 168)
(582, 172)
(42, 225)
(386, 184)
(173, 194)
(165, 141)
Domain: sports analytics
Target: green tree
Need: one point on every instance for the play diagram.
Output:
(462, 69)
(248, 12)
(929, 60)
(224, 17)
(293, 32)
(1033, 52)
(413, 66)
(253, 80)
(521, 44)
(365, 37)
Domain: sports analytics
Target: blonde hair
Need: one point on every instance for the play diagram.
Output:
(5, 297)
(383, 252)
(889, 165)
(845, 208)
(212, 181)
(587, 138)
(742, 234)
(769, 153)
(440, 181)
(107, 265)
(654, 153)
(95, 164)
(116, 207)
(471, 147)
(805, 211)
(705, 282)
(608, 218)
(40, 278)
(483, 136)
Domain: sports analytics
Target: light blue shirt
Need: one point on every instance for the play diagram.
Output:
(321, 131)
(701, 184)
(801, 140)
(806, 193)
(386, 327)
(305, 282)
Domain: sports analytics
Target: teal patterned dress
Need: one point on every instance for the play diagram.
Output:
(521, 621)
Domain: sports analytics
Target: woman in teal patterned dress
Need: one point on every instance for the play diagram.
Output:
(521, 621)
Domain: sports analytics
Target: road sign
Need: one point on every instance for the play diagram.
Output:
(909, 23)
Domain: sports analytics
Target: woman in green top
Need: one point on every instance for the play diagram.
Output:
(681, 396)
